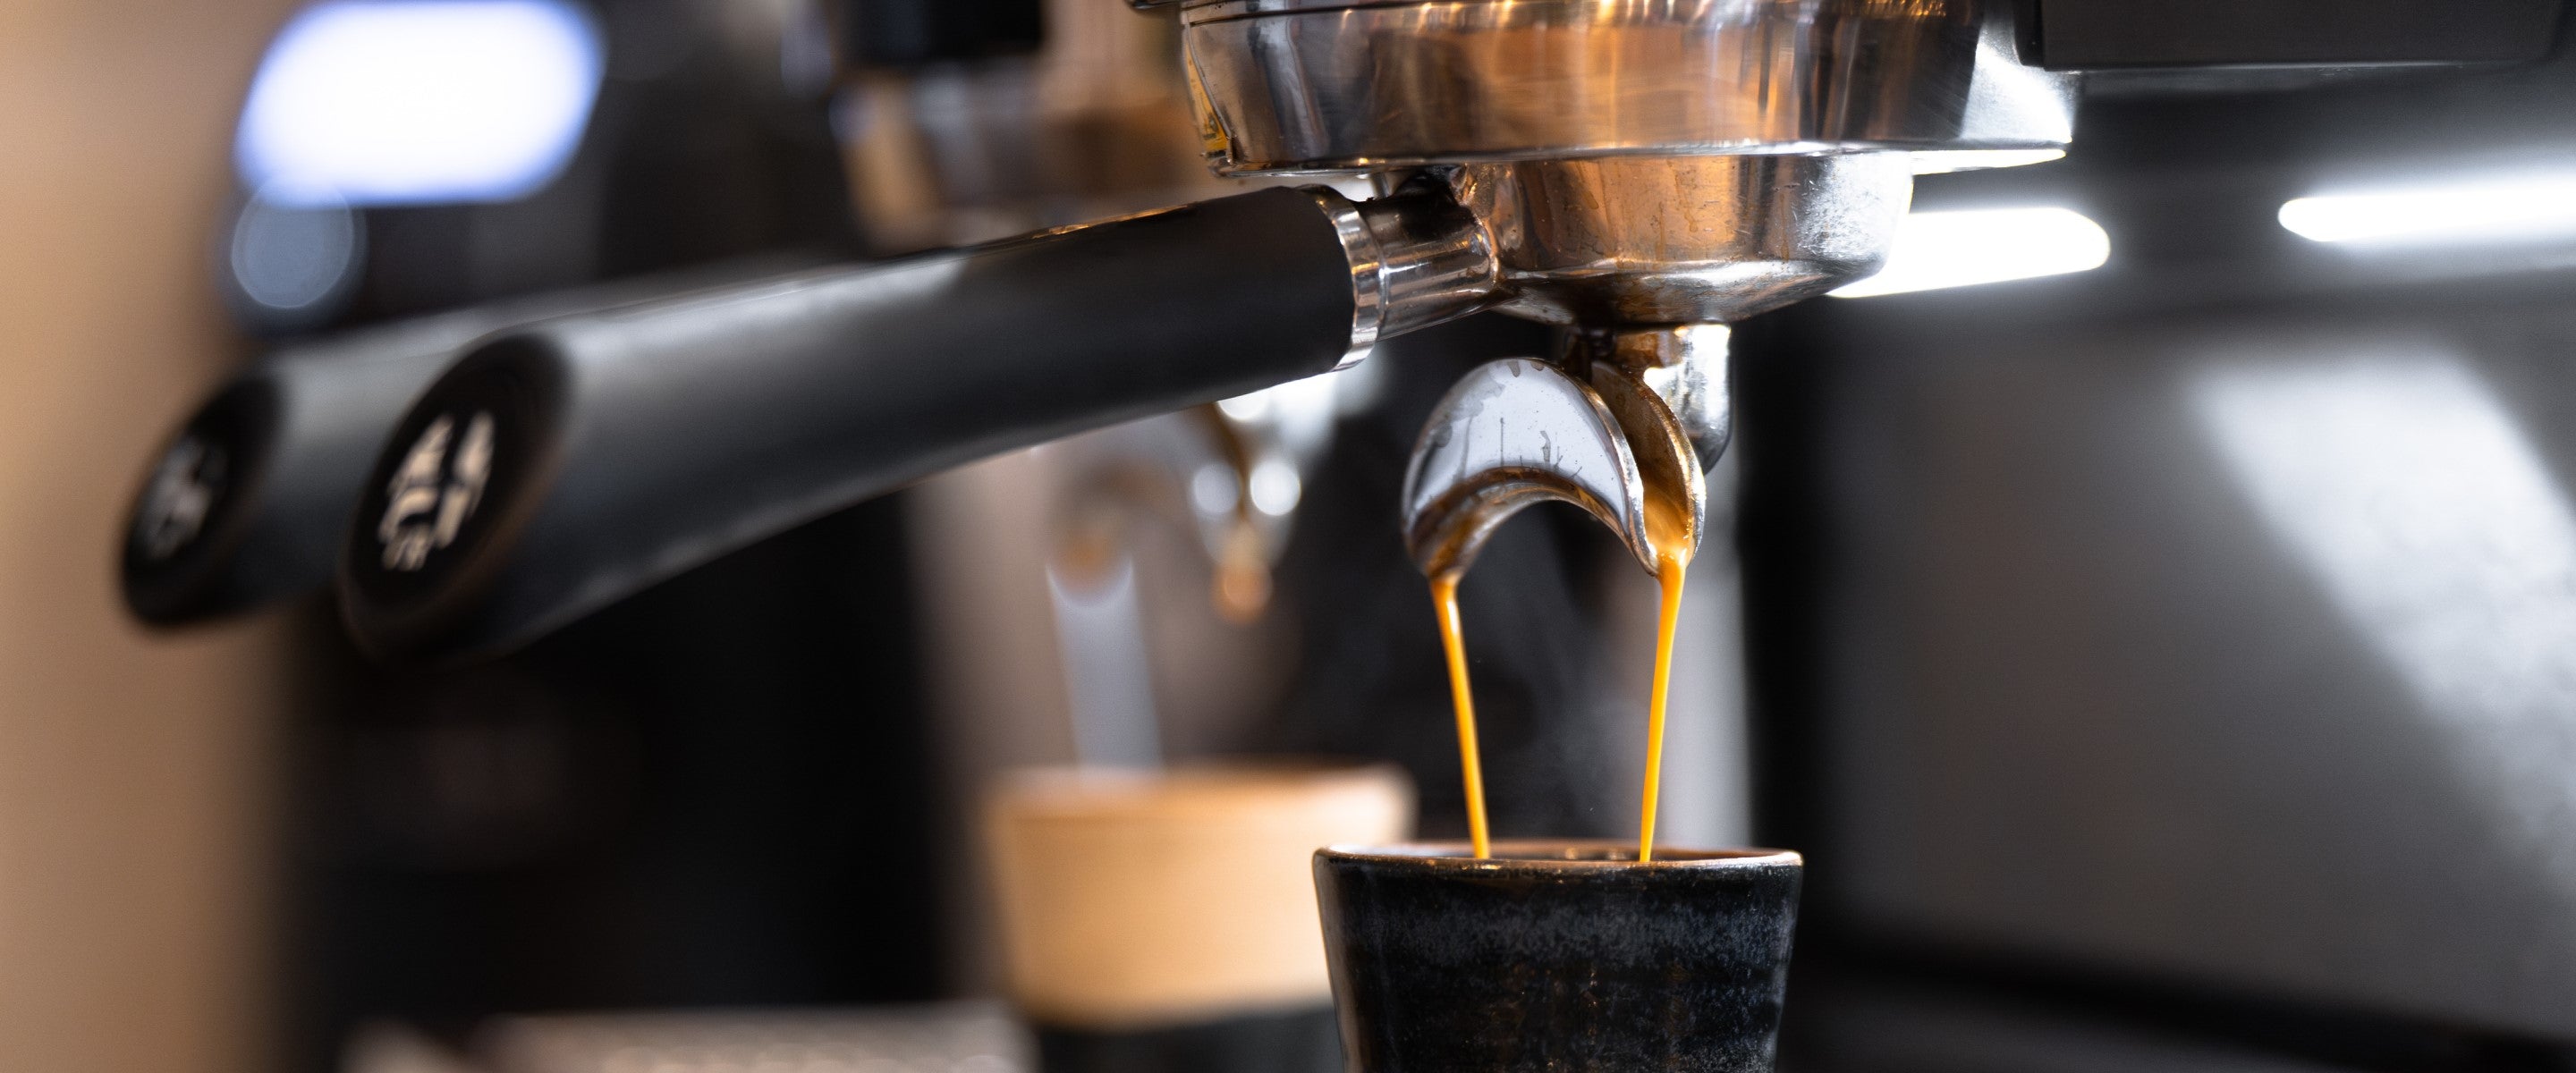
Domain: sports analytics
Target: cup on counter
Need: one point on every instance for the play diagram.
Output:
(1166, 920)
(1558, 957)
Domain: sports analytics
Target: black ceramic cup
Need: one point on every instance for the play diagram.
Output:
(1557, 957)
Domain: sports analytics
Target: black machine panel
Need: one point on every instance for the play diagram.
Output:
(2196, 33)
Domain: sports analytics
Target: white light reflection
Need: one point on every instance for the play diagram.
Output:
(293, 258)
(1300, 413)
(2524, 207)
(1934, 250)
(1252, 407)
(2405, 487)
(390, 102)
(1109, 678)
(1275, 487)
(1944, 161)
(1213, 490)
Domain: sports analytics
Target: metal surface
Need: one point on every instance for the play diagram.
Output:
(946, 149)
(1519, 432)
(1671, 240)
(1417, 259)
(1512, 434)
(1652, 253)
(1676, 493)
(1685, 366)
(1309, 85)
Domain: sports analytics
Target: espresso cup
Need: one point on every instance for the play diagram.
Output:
(1165, 920)
(1557, 957)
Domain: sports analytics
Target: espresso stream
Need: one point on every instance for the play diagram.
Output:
(1444, 594)
(1669, 533)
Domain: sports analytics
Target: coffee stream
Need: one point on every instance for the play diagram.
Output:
(1669, 571)
(1444, 594)
(1669, 530)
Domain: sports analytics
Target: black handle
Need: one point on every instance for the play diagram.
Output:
(565, 466)
(249, 502)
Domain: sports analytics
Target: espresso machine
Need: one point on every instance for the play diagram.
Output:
(1654, 181)
(1642, 175)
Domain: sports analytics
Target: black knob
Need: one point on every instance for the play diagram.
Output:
(249, 502)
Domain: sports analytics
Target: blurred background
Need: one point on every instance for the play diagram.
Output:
(142, 774)
(2150, 603)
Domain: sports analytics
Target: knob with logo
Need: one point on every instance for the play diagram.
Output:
(245, 504)
(248, 501)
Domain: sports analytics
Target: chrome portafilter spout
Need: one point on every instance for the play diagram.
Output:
(1623, 424)
(1684, 365)
(1519, 432)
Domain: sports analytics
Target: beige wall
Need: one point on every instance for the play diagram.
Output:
(131, 781)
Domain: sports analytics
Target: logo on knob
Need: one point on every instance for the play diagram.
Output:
(435, 490)
(182, 493)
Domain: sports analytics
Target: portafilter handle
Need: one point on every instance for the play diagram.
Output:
(566, 465)
(249, 499)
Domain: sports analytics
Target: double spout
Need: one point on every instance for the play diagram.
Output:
(1607, 435)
